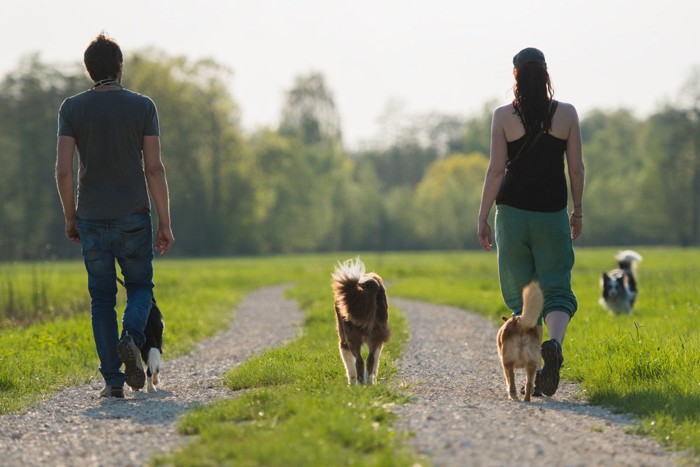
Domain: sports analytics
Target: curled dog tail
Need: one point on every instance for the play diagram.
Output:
(350, 270)
(627, 260)
(348, 298)
(533, 302)
(360, 297)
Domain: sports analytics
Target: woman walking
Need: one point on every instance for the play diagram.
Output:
(526, 179)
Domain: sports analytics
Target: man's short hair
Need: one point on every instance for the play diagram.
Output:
(103, 58)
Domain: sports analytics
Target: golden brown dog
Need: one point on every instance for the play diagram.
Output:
(362, 314)
(519, 341)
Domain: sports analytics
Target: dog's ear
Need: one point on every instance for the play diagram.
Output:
(504, 318)
(606, 279)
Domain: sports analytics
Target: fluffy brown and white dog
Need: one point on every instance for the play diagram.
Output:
(519, 341)
(362, 314)
(619, 286)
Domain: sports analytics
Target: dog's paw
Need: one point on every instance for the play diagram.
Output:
(150, 384)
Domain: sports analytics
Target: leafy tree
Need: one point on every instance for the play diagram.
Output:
(670, 177)
(309, 111)
(33, 225)
(447, 200)
(690, 94)
(359, 208)
(613, 156)
(399, 223)
(203, 149)
(300, 184)
(477, 134)
(401, 165)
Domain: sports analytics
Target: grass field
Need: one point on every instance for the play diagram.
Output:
(646, 364)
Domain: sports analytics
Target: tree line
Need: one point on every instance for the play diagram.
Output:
(296, 188)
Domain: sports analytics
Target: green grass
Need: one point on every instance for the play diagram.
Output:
(299, 409)
(57, 350)
(34, 292)
(646, 364)
(296, 407)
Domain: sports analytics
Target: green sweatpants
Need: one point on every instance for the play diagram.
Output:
(535, 245)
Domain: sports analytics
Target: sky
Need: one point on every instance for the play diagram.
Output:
(447, 56)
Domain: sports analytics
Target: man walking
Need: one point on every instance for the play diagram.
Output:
(116, 132)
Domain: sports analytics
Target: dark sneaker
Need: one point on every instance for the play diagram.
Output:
(112, 391)
(536, 390)
(131, 356)
(548, 379)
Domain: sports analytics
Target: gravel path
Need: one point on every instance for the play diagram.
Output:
(460, 413)
(79, 428)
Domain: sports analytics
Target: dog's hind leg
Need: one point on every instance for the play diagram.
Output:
(531, 370)
(149, 382)
(349, 361)
(360, 365)
(375, 350)
(509, 372)
(153, 363)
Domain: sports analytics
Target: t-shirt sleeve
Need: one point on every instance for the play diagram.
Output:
(152, 127)
(64, 126)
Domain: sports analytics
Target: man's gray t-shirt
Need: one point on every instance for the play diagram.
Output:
(108, 127)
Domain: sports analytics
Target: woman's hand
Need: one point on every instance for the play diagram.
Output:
(576, 224)
(484, 233)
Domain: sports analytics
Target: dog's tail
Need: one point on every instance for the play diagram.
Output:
(359, 297)
(350, 270)
(627, 260)
(346, 278)
(533, 302)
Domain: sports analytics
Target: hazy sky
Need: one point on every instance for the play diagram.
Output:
(449, 56)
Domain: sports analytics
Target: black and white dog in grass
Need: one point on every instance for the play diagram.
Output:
(619, 286)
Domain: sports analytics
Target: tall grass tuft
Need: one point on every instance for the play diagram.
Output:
(36, 292)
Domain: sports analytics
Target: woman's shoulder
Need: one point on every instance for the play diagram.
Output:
(505, 113)
(505, 109)
(566, 108)
(564, 120)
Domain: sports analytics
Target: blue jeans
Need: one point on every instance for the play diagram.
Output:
(128, 241)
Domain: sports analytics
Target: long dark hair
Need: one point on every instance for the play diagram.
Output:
(533, 96)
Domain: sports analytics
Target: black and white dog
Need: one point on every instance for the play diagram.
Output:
(619, 286)
(152, 349)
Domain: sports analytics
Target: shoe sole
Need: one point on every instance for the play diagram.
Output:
(133, 373)
(549, 377)
(114, 392)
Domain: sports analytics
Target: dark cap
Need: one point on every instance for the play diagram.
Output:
(529, 54)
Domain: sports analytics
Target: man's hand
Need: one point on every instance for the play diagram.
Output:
(164, 240)
(72, 231)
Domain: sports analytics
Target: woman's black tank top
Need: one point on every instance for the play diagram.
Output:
(536, 180)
